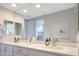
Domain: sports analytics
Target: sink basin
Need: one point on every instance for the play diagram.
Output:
(54, 47)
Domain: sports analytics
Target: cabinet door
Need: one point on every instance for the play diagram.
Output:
(0, 49)
(9, 50)
(20, 51)
(39, 53)
(6, 50)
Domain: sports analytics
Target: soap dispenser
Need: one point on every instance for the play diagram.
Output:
(46, 42)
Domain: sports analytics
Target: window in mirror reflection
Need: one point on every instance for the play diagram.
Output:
(10, 30)
(40, 29)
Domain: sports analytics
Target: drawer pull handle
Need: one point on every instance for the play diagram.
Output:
(19, 50)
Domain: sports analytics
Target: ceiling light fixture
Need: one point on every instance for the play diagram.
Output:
(37, 5)
(13, 5)
(25, 11)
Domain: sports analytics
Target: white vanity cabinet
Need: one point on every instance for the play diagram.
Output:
(34, 52)
(0, 49)
(20, 51)
(6, 50)
(12, 50)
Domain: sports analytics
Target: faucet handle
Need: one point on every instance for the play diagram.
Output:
(49, 39)
(15, 39)
(47, 42)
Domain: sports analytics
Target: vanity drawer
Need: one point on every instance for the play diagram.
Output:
(18, 54)
(21, 50)
(34, 52)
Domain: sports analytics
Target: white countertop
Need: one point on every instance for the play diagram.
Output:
(58, 49)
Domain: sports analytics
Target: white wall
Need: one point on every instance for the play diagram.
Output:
(66, 16)
(11, 16)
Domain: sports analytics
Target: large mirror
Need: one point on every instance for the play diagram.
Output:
(12, 28)
(18, 28)
(39, 29)
(9, 28)
(35, 28)
(62, 25)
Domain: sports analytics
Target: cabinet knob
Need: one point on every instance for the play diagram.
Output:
(19, 50)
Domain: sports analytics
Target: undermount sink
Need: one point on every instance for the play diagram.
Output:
(54, 47)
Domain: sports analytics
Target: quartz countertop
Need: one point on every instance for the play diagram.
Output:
(58, 49)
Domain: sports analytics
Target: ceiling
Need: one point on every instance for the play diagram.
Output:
(45, 8)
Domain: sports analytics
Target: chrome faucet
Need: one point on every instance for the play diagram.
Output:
(47, 41)
(16, 39)
(30, 39)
